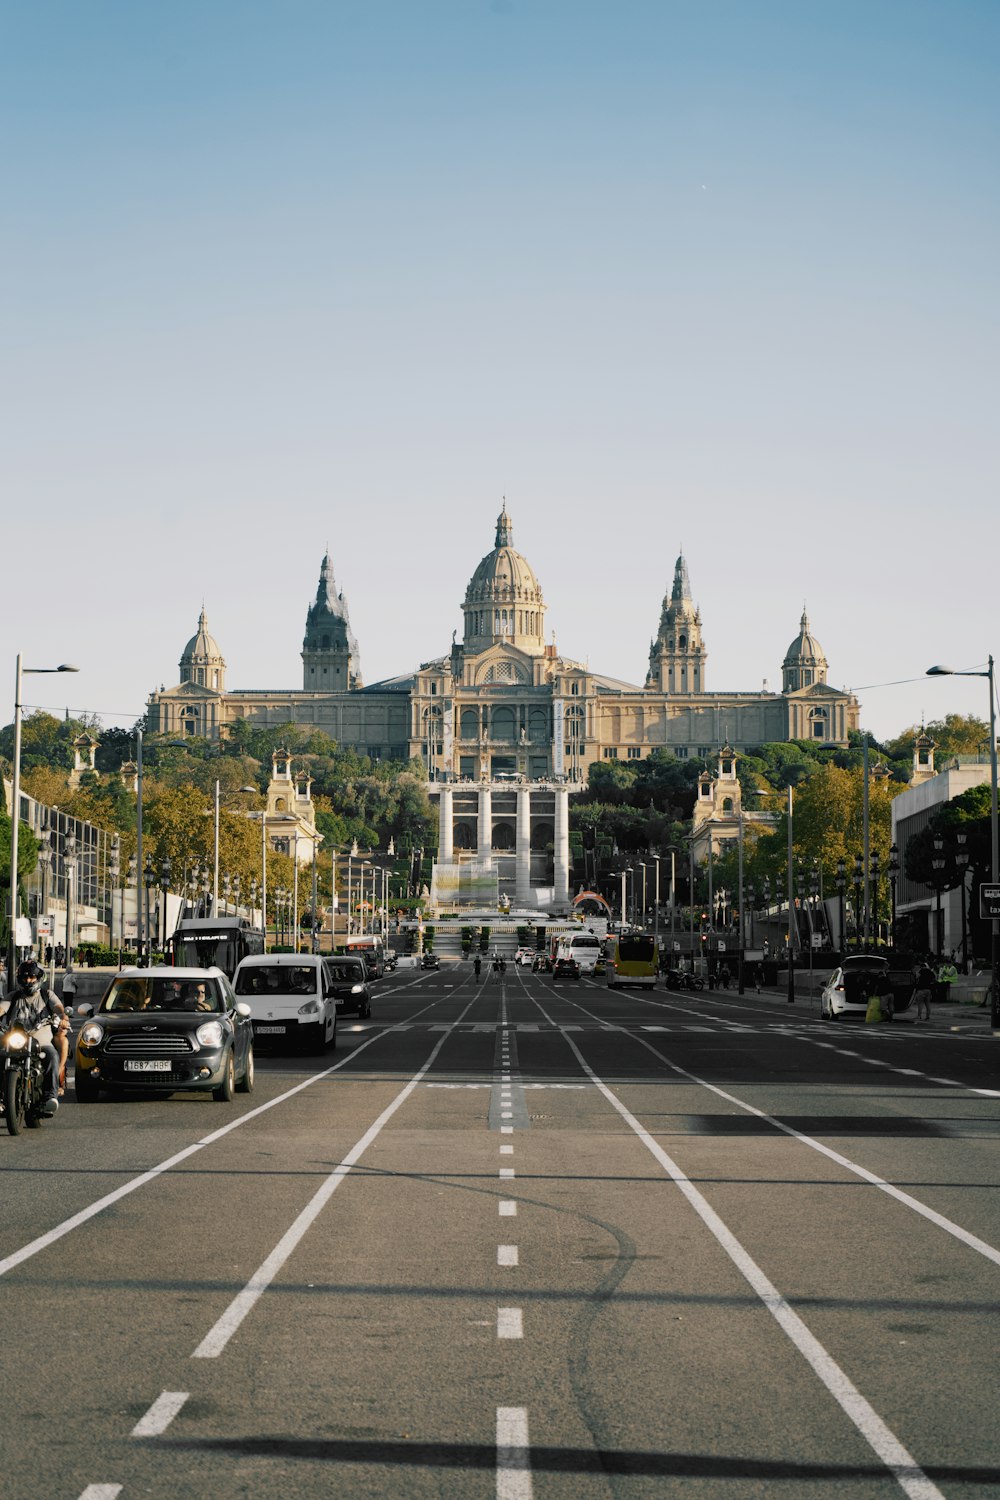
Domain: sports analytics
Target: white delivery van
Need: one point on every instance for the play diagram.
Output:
(583, 946)
(291, 998)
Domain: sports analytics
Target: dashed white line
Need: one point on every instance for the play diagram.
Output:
(506, 1130)
(508, 1208)
(506, 1171)
(510, 1323)
(160, 1415)
(109, 1491)
(506, 1150)
(513, 1454)
(506, 1255)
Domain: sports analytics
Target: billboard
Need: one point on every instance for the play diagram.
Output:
(471, 883)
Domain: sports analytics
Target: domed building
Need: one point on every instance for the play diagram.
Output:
(504, 724)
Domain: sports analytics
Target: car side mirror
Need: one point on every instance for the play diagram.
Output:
(243, 1009)
(80, 1010)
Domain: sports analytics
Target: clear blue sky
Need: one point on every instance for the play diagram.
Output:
(720, 276)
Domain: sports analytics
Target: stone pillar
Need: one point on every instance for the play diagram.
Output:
(561, 850)
(445, 826)
(485, 836)
(522, 848)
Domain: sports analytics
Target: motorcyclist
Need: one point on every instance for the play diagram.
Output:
(38, 1010)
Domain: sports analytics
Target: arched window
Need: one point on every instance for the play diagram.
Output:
(542, 835)
(464, 836)
(469, 728)
(503, 836)
(502, 725)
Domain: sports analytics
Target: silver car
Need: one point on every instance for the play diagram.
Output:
(851, 986)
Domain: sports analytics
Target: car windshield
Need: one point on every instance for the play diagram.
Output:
(276, 979)
(148, 993)
(347, 973)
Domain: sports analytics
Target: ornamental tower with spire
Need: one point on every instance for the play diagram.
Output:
(677, 656)
(330, 657)
(804, 664)
(201, 660)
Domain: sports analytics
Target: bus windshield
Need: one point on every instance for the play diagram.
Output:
(206, 950)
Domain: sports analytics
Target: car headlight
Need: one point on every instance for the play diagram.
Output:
(210, 1034)
(357, 989)
(15, 1040)
(91, 1034)
(311, 1008)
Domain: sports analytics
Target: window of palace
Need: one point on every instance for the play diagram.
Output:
(634, 752)
(611, 752)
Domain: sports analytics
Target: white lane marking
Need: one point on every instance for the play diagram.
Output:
(219, 1335)
(506, 1255)
(506, 1150)
(160, 1415)
(900, 1463)
(508, 1208)
(101, 1492)
(506, 1172)
(513, 1454)
(506, 1114)
(510, 1323)
(51, 1236)
(506, 1130)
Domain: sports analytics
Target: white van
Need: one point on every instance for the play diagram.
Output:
(583, 946)
(291, 998)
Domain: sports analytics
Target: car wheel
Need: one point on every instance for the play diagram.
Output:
(318, 1043)
(85, 1088)
(245, 1084)
(226, 1090)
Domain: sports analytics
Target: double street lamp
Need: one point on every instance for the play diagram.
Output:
(994, 830)
(15, 806)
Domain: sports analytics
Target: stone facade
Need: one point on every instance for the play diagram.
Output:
(504, 704)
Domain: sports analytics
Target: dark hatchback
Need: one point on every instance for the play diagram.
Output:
(430, 961)
(167, 1030)
(349, 984)
(566, 968)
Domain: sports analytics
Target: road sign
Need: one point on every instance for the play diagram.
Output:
(989, 901)
(722, 946)
(43, 926)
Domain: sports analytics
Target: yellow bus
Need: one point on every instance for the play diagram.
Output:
(632, 958)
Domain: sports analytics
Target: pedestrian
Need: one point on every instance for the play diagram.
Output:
(3, 979)
(724, 976)
(922, 986)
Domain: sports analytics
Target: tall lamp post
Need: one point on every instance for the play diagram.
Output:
(114, 870)
(69, 865)
(149, 881)
(841, 886)
(994, 830)
(164, 888)
(937, 865)
(15, 806)
(893, 868)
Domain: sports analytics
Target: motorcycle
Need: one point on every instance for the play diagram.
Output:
(23, 1090)
(683, 981)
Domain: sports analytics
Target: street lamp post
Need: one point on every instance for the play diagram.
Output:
(149, 882)
(875, 869)
(859, 871)
(792, 933)
(994, 830)
(643, 867)
(165, 868)
(893, 868)
(937, 864)
(841, 885)
(962, 863)
(15, 806)
(69, 865)
(114, 871)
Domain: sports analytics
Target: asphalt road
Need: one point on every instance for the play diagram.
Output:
(520, 1239)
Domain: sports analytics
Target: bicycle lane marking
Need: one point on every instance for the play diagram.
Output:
(84, 1215)
(880, 1438)
(218, 1336)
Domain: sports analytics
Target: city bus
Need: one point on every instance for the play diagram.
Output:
(368, 946)
(204, 942)
(632, 958)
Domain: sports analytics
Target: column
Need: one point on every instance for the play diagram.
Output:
(485, 836)
(522, 848)
(445, 826)
(561, 850)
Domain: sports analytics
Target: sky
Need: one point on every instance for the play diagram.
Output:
(707, 276)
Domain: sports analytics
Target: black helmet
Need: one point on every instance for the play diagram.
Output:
(28, 971)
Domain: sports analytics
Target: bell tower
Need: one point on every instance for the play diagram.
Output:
(330, 657)
(677, 656)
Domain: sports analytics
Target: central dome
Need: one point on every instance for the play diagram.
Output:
(503, 601)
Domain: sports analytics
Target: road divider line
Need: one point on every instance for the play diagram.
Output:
(219, 1335)
(879, 1436)
(513, 1454)
(160, 1415)
(510, 1323)
(506, 1255)
(77, 1220)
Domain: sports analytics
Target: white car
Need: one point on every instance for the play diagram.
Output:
(525, 956)
(849, 987)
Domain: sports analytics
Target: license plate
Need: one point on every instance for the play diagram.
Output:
(148, 1065)
(269, 1030)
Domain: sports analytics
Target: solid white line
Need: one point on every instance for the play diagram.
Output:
(506, 1255)
(51, 1236)
(900, 1463)
(218, 1336)
(160, 1415)
(510, 1323)
(513, 1454)
(508, 1208)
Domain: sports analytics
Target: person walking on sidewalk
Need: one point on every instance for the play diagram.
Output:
(922, 988)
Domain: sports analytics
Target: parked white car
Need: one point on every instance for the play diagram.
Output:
(849, 987)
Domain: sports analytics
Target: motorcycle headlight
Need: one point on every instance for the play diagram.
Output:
(311, 1008)
(210, 1035)
(15, 1040)
(91, 1034)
